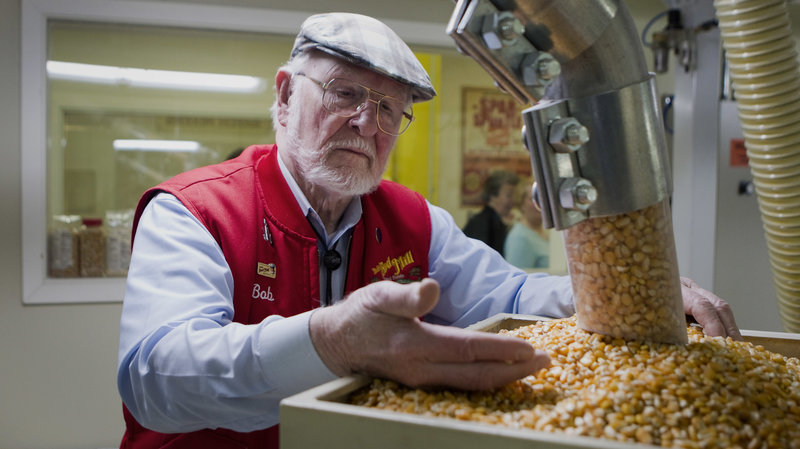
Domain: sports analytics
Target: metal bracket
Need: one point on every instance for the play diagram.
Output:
(496, 40)
(588, 164)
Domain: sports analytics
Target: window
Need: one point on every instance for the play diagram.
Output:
(97, 131)
(131, 106)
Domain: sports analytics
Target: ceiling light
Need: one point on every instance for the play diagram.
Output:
(184, 146)
(158, 79)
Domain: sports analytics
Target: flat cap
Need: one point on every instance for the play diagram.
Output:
(366, 42)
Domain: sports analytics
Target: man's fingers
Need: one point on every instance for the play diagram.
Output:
(402, 300)
(448, 344)
(723, 310)
(710, 311)
(481, 375)
(705, 313)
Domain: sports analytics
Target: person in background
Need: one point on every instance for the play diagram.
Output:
(293, 264)
(498, 199)
(527, 244)
(234, 154)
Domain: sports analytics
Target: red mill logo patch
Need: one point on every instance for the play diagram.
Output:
(398, 263)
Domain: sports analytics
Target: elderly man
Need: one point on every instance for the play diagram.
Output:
(239, 270)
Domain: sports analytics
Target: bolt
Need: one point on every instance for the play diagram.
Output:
(501, 30)
(577, 194)
(525, 138)
(535, 196)
(576, 134)
(539, 69)
(567, 135)
(548, 68)
(584, 194)
(509, 27)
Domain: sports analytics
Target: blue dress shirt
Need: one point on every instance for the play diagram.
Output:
(184, 365)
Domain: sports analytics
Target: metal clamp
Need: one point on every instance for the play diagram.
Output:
(588, 164)
(496, 40)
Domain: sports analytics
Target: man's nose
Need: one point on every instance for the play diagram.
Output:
(366, 119)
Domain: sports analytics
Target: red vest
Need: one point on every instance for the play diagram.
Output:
(272, 252)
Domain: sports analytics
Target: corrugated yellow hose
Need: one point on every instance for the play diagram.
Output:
(759, 48)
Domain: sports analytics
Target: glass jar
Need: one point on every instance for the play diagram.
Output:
(63, 256)
(92, 248)
(625, 278)
(118, 242)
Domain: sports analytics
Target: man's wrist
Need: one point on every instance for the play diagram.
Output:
(326, 343)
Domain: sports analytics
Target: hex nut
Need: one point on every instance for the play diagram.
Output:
(548, 67)
(567, 135)
(539, 69)
(576, 135)
(501, 29)
(510, 27)
(585, 194)
(577, 194)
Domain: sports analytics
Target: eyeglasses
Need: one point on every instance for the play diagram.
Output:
(347, 98)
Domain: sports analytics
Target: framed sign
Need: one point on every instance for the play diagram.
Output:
(492, 140)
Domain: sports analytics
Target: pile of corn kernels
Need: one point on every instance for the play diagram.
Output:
(712, 393)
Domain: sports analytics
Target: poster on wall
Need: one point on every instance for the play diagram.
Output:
(492, 140)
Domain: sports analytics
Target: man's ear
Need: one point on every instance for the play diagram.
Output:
(283, 91)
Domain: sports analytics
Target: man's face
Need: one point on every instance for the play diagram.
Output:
(504, 200)
(528, 209)
(341, 155)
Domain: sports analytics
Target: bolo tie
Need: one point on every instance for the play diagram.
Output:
(332, 260)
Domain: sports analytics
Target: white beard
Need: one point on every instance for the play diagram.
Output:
(314, 167)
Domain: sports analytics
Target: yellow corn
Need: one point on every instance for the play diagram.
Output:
(711, 393)
(625, 275)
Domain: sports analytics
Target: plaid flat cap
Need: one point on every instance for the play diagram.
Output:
(367, 42)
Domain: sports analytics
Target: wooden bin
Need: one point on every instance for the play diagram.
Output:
(321, 418)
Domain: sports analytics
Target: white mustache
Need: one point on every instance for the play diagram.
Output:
(353, 143)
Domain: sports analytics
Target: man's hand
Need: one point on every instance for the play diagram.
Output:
(376, 331)
(710, 311)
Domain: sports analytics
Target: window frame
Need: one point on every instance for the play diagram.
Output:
(37, 287)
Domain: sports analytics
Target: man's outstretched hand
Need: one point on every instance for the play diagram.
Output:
(710, 311)
(376, 331)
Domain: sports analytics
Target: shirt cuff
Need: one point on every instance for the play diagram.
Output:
(287, 356)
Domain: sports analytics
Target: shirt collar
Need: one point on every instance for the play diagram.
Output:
(349, 219)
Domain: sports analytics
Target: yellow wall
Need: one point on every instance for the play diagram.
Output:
(414, 159)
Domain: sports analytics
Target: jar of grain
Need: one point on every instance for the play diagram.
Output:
(62, 241)
(92, 247)
(625, 278)
(118, 242)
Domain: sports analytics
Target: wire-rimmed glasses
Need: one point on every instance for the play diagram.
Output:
(347, 98)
